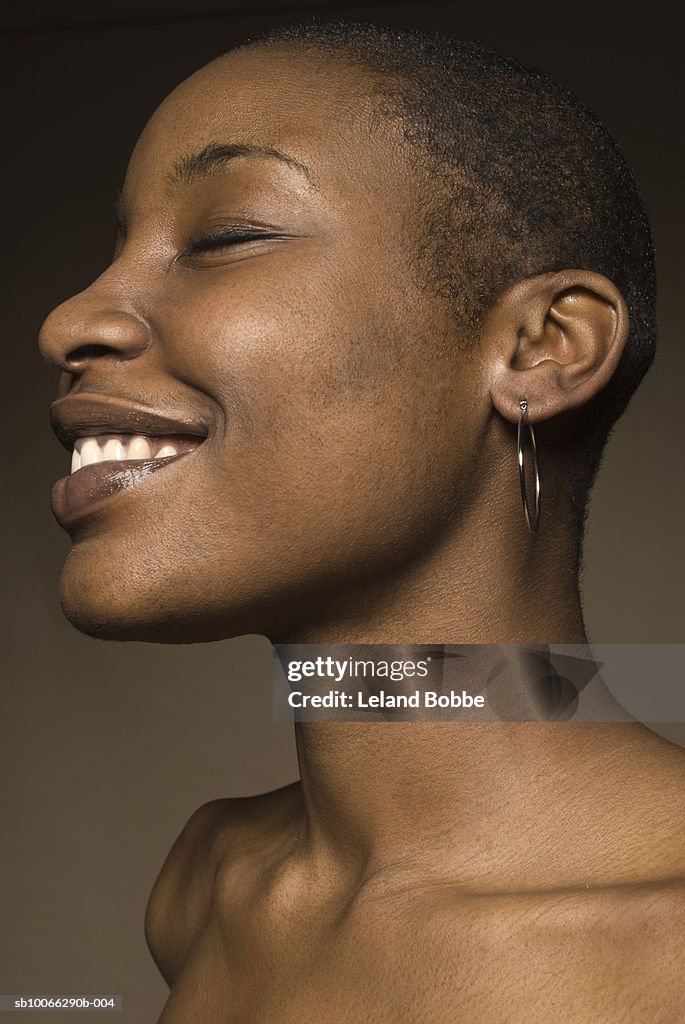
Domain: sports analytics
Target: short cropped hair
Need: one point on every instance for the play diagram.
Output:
(524, 180)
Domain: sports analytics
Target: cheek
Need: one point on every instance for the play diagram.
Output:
(340, 436)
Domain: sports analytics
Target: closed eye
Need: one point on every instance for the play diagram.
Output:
(225, 239)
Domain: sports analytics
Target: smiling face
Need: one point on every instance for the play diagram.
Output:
(261, 314)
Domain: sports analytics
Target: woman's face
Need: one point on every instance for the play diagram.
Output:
(267, 323)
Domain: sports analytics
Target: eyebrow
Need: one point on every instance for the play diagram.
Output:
(217, 155)
(213, 158)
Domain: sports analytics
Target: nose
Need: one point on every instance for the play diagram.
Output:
(91, 326)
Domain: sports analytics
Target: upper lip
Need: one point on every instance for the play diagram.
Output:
(88, 415)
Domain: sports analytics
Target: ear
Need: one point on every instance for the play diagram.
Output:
(555, 339)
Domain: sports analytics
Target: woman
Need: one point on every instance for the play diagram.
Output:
(354, 268)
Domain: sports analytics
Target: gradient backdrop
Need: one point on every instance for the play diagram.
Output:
(108, 748)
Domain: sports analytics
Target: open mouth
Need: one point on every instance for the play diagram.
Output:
(114, 445)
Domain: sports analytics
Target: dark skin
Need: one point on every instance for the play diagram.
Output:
(358, 484)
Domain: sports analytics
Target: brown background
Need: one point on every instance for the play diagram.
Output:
(107, 748)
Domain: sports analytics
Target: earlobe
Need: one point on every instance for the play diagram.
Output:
(557, 339)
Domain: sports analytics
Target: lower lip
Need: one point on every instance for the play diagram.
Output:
(76, 495)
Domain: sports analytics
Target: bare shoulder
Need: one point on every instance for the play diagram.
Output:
(181, 898)
(616, 954)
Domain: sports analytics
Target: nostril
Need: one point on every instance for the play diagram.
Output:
(78, 355)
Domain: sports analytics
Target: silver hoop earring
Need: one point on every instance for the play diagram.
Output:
(523, 423)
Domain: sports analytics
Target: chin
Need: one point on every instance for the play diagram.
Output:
(145, 610)
(130, 623)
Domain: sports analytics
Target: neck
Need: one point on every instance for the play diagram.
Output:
(502, 806)
(497, 804)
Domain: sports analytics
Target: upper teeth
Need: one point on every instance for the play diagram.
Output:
(125, 446)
